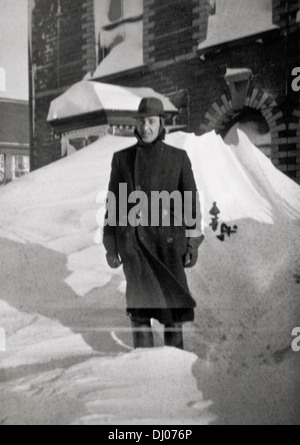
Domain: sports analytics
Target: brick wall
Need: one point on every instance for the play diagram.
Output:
(197, 86)
(171, 30)
(63, 51)
(205, 96)
(285, 11)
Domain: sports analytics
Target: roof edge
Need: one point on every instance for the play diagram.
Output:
(242, 40)
(114, 76)
(14, 101)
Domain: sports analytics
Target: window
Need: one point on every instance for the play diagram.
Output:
(115, 10)
(212, 7)
(2, 169)
(20, 166)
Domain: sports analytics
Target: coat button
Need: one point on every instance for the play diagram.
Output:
(170, 240)
(138, 188)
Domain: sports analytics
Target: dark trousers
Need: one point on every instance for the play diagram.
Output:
(143, 334)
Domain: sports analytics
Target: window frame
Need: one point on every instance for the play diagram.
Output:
(121, 12)
(24, 170)
(212, 7)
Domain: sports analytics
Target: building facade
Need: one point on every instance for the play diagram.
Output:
(14, 140)
(225, 64)
(63, 51)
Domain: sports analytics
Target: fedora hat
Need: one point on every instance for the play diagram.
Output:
(151, 106)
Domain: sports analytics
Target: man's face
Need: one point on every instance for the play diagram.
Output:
(148, 128)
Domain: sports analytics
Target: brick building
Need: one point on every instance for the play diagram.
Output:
(225, 64)
(63, 51)
(14, 139)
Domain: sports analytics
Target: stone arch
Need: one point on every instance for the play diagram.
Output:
(221, 114)
(253, 123)
(285, 130)
(294, 125)
(293, 141)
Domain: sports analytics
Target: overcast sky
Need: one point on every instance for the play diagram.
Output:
(13, 47)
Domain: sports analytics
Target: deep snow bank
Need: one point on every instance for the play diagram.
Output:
(32, 339)
(66, 382)
(145, 387)
(246, 287)
(56, 206)
(141, 388)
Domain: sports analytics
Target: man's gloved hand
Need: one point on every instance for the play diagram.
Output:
(113, 261)
(191, 255)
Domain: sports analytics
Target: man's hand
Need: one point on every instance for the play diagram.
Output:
(191, 255)
(191, 258)
(113, 261)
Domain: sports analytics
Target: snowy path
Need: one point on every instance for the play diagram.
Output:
(62, 364)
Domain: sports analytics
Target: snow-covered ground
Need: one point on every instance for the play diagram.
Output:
(68, 356)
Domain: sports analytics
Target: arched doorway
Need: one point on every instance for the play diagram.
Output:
(261, 119)
(255, 126)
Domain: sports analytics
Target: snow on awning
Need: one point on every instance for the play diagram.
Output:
(88, 97)
(237, 19)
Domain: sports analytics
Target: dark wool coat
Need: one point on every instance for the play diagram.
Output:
(153, 257)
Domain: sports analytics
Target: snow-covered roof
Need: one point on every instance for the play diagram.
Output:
(237, 19)
(125, 56)
(88, 97)
(121, 22)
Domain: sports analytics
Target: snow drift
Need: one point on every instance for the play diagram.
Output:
(246, 288)
(57, 206)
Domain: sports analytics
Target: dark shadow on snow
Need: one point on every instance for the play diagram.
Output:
(32, 281)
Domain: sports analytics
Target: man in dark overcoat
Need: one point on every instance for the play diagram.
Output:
(154, 255)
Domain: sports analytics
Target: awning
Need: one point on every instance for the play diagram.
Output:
(87, 97)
